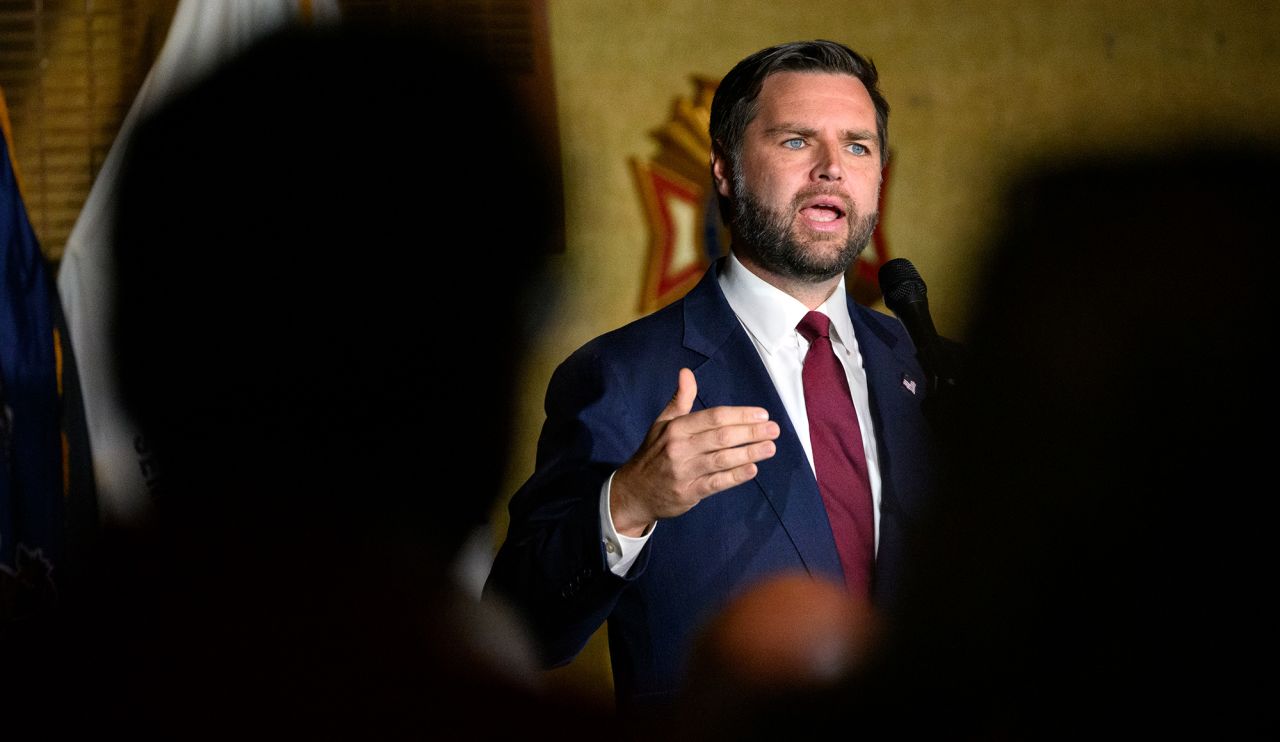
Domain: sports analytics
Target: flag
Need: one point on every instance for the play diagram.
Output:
(31, 450)
(204, 34)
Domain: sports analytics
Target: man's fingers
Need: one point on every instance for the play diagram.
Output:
(692, 423)
(682, 401)
(715, 471)
(719, 417)
(732, 436)
(729, 459)
(723, 480)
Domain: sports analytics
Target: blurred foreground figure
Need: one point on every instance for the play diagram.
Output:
(320, 343)
(1101, 558)
(781, 646)
(789, 629)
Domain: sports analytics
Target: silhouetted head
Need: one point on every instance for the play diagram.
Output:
(769, 655)
(1098, 551)
(326, 253)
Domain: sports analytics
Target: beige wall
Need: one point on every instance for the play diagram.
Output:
(978, 89)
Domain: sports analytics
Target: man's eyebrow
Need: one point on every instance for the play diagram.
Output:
(789, 128)
(859, 135)
(848, 135)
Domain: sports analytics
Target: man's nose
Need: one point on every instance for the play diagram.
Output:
(829, 165)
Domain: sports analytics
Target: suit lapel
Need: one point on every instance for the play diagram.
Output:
(895, 389)
(733, 374)
(892, 381)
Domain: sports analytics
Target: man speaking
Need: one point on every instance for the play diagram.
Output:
(764, 423)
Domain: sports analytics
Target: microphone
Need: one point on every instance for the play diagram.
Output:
(907, 296)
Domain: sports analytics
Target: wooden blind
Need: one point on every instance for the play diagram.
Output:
(70, 69)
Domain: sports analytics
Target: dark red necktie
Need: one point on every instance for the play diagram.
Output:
(838, 458)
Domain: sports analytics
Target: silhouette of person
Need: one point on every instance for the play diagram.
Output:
(1099, 557)
(328, 254)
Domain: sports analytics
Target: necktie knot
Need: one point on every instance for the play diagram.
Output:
(814, 325)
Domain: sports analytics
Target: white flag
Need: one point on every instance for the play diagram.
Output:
(204, 34)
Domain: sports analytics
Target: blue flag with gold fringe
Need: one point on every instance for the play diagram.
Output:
(32, 451)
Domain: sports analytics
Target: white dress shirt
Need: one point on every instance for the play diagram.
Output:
(770, 316)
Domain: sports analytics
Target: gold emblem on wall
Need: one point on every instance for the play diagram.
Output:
(685, 231)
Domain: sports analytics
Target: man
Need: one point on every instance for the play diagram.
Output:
(651, 510)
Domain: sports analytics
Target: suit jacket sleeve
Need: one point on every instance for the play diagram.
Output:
(552, 566)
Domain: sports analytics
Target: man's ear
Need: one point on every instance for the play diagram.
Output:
(721, 172)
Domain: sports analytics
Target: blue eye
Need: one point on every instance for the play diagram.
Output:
(858, 149)
(796, 143)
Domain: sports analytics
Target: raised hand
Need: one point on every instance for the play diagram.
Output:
(688, 456)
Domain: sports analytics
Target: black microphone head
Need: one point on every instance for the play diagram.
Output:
(901, 284)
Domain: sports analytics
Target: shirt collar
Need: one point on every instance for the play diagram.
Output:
(770, 314)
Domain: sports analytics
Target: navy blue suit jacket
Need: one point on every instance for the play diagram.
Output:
(600, 405)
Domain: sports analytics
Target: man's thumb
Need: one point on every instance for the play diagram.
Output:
(682, 402)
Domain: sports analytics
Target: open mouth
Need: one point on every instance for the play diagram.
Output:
(823, 210)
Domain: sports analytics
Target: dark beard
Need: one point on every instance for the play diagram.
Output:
(767, 235)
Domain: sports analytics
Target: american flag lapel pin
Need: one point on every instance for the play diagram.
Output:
(909, 383)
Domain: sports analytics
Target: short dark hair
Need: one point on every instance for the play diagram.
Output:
(734, 104)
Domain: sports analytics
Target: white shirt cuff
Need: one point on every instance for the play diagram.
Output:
(620, 551)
